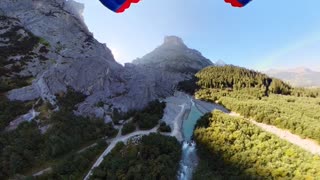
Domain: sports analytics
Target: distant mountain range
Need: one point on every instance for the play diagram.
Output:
(299, 77)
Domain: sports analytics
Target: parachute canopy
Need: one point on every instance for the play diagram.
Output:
(118, 6)
(238, 3)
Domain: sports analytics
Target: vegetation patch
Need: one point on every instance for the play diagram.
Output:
(164, 128)
(233, 148)
(21, 47)
(75, 165)
(300, 115)
(11, 110)
(149, 117)
(154, 157)
(26, 147)
(188, 86)
(128, 128)
(266, 100)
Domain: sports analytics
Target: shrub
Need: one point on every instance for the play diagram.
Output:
(128, 128)
(164, 127)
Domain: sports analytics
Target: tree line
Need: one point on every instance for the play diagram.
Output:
(235, 78)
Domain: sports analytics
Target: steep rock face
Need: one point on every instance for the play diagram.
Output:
(77, 59)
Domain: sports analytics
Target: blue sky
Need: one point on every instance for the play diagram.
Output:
(265, 34)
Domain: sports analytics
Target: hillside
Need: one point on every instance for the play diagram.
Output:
(237, 78)
(237, 146)
(255, 95)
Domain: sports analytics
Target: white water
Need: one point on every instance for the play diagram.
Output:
(189, 159)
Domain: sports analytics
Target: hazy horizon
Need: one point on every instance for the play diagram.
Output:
(261, 36)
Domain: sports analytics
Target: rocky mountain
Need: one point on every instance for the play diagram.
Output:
(48, 49)
(157, 74)
(154, 76)
(174, 56)
(300, 77)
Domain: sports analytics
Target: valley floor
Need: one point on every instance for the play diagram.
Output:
(178, 108)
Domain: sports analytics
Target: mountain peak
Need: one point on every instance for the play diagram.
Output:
(173, 41)
(174, 55)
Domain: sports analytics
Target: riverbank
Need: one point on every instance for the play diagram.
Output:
(177, 109)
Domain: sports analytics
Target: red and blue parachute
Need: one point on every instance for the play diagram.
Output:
(120, 6)
(238, 3)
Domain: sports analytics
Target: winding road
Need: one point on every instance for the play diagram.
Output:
(114, 142)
